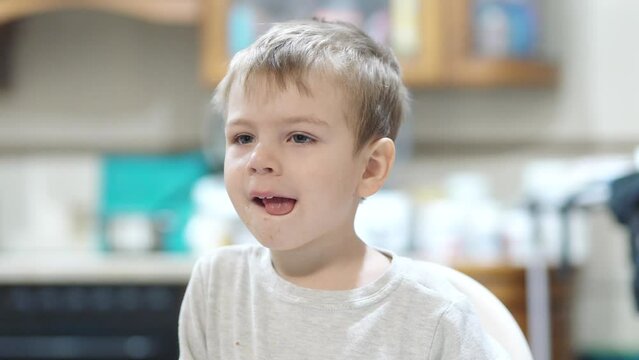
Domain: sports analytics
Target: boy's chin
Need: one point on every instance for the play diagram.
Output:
(277, 244)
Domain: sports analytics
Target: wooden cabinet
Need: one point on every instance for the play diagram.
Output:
(162, 11)
(432, 38)
(58, 57)
(468, 69)
(508, 283)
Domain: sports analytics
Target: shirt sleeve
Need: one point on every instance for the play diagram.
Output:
(191, 326)
(459, 335)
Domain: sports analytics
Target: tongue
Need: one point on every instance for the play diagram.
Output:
(278, 205)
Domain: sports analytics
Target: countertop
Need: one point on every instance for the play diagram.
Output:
(60, 267)
(94, 267)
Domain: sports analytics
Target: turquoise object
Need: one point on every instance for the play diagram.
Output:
(156, 185)
(241, 27)
(523, 29)
(609, 355)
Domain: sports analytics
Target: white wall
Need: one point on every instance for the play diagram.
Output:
(597, 99)
(87, 80)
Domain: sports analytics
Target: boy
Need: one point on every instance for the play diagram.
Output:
(311, 110)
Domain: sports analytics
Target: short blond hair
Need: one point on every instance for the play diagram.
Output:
(367, 72)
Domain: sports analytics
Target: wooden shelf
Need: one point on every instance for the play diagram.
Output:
(493, 72)
(466, 69)
(178, 12)
(213, 41)
(444, 57)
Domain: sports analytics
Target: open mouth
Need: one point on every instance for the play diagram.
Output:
(275, 205)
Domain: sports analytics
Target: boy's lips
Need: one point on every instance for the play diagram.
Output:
(274, 204)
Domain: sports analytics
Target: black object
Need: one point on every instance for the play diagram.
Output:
(624, 203)
(89, 322)
(7, 32)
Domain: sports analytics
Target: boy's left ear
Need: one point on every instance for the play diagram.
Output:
(379, 159)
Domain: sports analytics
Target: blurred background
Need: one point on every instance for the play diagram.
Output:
(524, 118)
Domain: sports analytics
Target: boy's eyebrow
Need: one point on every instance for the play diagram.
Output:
(289, 120)
(305, 119)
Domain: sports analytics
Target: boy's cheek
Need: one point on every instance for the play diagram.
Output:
(233, 161)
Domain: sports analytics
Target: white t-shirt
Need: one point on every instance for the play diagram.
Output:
(236, 306)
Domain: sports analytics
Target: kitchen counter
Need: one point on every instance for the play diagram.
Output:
(62, 267)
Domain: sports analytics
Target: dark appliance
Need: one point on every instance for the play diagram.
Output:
(89, 321)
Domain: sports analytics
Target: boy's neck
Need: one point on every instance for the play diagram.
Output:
(344, 266)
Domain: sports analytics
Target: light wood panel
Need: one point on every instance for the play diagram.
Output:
(163, 11)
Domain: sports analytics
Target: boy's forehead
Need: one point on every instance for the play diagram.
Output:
(264, 88)
(261, 88)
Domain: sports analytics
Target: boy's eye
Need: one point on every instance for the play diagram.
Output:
(301, 138)
(243, 139)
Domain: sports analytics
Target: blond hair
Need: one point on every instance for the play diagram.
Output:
(367, 73)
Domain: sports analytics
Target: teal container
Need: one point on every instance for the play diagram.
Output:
(609, 355)
(156, 185)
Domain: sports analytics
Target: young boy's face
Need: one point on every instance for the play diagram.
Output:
(290, 169)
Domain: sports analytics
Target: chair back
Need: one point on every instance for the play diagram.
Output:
(493, 315)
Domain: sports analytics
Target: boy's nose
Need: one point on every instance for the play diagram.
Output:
(263, 161)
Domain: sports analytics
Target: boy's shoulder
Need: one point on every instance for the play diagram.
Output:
(428, 279)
